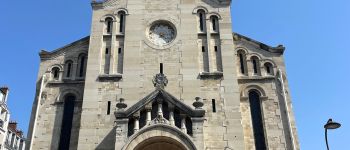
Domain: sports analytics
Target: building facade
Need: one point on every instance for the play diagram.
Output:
(4, 116)
(11, 138)
(14, 139)
(162, 75)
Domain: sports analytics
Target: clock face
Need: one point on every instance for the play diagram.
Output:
(161, 34)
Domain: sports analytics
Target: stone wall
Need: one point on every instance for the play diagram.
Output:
(211, 73)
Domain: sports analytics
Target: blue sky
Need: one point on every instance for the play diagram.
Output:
(315, 33)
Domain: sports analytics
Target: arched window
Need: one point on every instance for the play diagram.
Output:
(67, 121)
(201, 18)
(109, 25)
(242, 62)
(121, 21)
(69, 67)
(269, 68)
(214, 23)
(55, 73)
(257, 120)
(256, 65)
(82, 65)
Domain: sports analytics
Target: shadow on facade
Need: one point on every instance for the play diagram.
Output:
(108, 142)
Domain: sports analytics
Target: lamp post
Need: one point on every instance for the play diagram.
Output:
(330, 125)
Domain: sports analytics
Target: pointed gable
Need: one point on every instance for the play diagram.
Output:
(165, 96)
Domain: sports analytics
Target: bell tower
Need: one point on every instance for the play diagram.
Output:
(192, 39)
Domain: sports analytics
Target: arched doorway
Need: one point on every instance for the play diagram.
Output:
(159, 137)
(160, 143)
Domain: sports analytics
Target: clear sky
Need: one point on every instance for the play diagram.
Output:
(315, 33)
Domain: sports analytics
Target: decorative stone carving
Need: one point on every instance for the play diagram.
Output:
(160, 80)
(121, 105)
(198, 104)
(160, 120)
(118, 130)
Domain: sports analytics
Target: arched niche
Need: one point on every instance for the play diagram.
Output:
(247, 88)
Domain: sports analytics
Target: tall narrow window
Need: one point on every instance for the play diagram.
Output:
(107, 51)
(201, 16)
(121, 22)
(215, 23)
(161, 68)
(242, 62)
(109, 25)
(82, 65)
(257, 121)
(216, 48)
(256, 65)
(213, 103)
(268, 68)
(203, 49)
(55, 73)
(68, 69)
(67, 122)
(109, 108)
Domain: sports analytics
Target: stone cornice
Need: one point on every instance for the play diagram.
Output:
(279, 49)
(46, 54)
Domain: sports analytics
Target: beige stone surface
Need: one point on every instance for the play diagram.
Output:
(211, 75)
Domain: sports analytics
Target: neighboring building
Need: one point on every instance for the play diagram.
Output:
(4, 116)
(178, 76)
(10, 137)
(15, 139)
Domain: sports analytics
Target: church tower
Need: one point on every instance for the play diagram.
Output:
(162, 74)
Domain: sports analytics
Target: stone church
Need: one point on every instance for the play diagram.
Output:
(162, 75)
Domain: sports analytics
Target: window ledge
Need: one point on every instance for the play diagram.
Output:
(109, 77)
(120, 34)
(211, 75)
(255, 77)
(107, 34)
(202, 33)
(214, 32)
(66, 81)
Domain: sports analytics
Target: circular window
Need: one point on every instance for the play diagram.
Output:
(161, 33)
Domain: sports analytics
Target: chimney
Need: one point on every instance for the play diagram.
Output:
(13, 126)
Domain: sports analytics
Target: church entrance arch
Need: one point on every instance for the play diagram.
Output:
(160, 143)
(160, 137)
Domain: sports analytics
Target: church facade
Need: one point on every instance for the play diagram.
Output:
(165, 74)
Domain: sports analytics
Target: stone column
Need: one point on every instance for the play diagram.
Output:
(148, 115)
(171, 114)
(136, 124)
(160, 107)
(114, 51)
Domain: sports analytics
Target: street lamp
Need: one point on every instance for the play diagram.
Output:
(330, 125)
